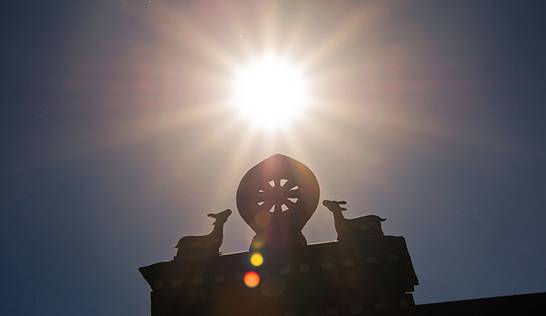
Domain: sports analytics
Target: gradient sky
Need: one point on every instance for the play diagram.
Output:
(116, 139)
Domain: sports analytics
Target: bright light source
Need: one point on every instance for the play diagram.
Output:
(270, 92)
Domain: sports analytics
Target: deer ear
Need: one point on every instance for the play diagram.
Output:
(211, 215)
(341, 202)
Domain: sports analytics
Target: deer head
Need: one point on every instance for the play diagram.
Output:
(220, 218)
(334, 206)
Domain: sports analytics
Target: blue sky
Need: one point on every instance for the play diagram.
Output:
(116, 140)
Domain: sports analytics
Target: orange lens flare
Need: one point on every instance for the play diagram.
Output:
(251, 279)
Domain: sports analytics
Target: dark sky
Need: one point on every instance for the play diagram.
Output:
(116, 140)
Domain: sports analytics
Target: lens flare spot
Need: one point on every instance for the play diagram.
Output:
(251, 279)
(256, 259)
(257, 243)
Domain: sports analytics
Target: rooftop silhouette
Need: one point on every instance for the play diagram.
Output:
(363, 271)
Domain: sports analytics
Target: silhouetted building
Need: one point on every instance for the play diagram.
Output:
(363, 273)
(322, 279)
(524, 304)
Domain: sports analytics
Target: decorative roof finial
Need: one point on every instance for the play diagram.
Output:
(276, 198)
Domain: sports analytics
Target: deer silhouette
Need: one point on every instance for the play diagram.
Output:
(208, 244)
(369, 225)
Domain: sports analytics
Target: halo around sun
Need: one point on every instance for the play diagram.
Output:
(270, 92)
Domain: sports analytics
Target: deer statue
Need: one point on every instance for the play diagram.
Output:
(364, 226)
(204, 245)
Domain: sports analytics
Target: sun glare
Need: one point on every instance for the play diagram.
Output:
(270, 92)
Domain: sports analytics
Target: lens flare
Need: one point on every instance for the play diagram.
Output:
(251, 279)
(257, 243)
(256, 259)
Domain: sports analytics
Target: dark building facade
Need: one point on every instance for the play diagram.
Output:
(524, 304)
(322, 279)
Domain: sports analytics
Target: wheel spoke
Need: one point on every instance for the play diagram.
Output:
(289, 184)
(268, 194)
(292, 194)
(266, 206)
(291, 201)
(277, 195)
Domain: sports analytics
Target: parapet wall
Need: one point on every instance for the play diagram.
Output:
(372, 275)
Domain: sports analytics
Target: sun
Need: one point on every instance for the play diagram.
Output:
(270, 92)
